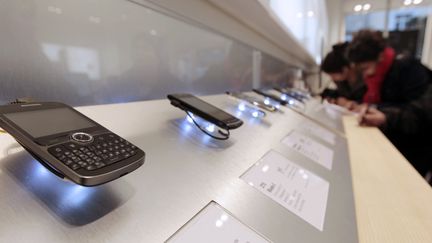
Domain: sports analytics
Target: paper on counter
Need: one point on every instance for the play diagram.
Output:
(298, 190)
(214, 224)
(310, 148)
(318, 131)
(341, 111)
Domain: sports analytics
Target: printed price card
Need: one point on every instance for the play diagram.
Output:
(298, 190)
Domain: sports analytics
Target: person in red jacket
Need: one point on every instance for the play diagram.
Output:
(399, 97)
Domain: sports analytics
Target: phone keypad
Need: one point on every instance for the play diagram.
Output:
(105, 150)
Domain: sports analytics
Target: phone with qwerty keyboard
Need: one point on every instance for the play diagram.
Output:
(70, 144)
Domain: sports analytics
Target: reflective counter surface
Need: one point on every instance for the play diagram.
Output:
(184, 170)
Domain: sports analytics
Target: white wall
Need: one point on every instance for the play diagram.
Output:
(336, 30)
(335, 33)
(307, 20)
(427, 48)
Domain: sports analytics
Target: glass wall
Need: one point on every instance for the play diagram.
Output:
(86, 52)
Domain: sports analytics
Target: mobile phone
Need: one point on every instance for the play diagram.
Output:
(70, 144)
(271, 96)
(290, 94)
(190, 103)
(254, 101)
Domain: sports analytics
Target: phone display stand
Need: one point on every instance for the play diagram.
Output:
(254, 112)
(276, 104)
(207, 127)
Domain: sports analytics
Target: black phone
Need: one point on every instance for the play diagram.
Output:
(271, 96)
(254, 101)
(70, 144)
(190, 103)
(291, 94)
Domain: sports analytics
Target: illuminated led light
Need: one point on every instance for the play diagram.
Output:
(242, 107)
(75, 189)
(186, 127)
(310, 14)
(251, 183)
(78, 195)
(417, 1)
(210, 128)
(407, 2)
(267, 101)
(284, 97)
(291, 102)
(366, 7)
(277, 106)
(255, 114)
(265, 168)
(358, 8)
(40, 169)
(189, 119)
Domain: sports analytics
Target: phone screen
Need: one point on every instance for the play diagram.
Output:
(203, 106)
(41, 123)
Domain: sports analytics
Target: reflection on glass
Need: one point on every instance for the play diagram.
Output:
(275, 73)
(55, 10)
(83, 61)
(214, 224)
(306, 19)
(77, 60)
(219, 223)
(94, 52)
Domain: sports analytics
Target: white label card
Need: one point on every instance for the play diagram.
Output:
(214, 225)
(310, 148)
(318, 131)
(298, 190)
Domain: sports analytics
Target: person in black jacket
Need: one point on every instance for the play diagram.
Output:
(403, 90)
(349, 83)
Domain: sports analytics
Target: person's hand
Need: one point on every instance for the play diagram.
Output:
(350, 105)
(372, 117)
(360, 108)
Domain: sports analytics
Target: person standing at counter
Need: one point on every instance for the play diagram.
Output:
(400, 89)
(350, 86)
